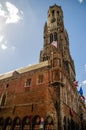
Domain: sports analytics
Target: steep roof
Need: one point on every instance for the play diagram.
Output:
(24, 69)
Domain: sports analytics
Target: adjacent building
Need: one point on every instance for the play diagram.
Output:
(44, 96)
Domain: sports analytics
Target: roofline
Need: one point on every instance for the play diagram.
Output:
(24, 69)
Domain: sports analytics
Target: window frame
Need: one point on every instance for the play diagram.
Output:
(40, 79)
(28, 82)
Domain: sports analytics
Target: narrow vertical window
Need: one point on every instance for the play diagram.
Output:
(58, 13)
(40, 78)
(51, 38)
(55, 36)
(53, 13)
(28, 82)
(7, 85)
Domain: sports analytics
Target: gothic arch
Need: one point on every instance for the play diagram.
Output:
(7, 123)
(49, 123)
(16, 123)
(36, 122)
(26, 123)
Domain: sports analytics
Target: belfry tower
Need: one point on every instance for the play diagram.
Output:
(43, 96)
(61, 70)
(56, 42)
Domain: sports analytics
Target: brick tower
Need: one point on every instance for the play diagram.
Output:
(56, 42)
(56, 51)
(44, 96)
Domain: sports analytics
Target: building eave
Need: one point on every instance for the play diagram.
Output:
(24, 69)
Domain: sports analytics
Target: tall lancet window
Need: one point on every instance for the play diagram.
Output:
(55, 36)
(51, 38)
(53, 12)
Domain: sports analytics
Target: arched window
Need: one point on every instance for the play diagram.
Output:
(53, 12)
(8, 123)
(36, 122)
(49, 124)
(58, 13)
(51, 38)
(16, 124)
(55, 36)
(26, 123)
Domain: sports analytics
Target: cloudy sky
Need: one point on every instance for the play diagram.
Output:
(21, 33)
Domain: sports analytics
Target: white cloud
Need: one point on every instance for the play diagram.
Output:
(11, 14)
(2, 12)
(3, 47)
(80, 1)
(84, 82)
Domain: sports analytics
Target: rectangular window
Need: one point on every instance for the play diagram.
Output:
(28, 82)
(40, 78)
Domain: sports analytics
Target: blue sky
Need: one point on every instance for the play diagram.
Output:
(21, 33)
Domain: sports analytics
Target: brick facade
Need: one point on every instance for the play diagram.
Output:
(43, 96)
